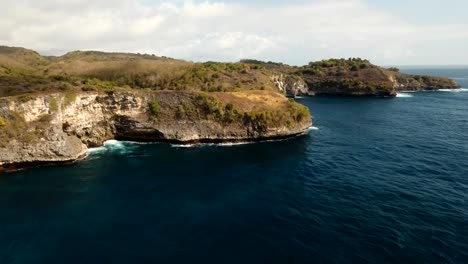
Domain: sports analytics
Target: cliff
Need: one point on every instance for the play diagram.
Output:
(352, 77)
(25, 71)
(53, 108)
(407, 82)
(357, 77)
(59, 127)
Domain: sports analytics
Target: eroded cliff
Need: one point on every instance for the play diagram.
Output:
(60, 127)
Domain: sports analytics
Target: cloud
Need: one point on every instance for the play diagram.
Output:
(294, 33)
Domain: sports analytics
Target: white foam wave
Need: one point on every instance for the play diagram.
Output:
(184, 145)
(313, 128)
(446, 90)
(114, 146)
(404, 95)
(410, 91)
(227, 144)
(113, 143)
(453, 90)
(233, 144)
(96, 150)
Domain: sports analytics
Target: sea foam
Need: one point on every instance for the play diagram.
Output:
(453, 90)
(404, 95)
(96, 150)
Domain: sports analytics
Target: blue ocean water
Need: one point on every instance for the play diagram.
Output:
(378, 180)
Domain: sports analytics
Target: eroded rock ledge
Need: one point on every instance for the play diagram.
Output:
(59, 128)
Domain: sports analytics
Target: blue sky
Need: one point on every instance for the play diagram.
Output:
(386, 32)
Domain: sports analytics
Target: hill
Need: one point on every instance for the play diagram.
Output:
(53, 108)
(25, 71)
(357, 77)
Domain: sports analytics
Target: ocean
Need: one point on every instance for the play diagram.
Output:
(379, 180)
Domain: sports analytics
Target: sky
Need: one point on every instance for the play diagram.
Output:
(398, 32)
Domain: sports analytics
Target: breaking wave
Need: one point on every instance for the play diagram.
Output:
(453, 90)
(404, 95)
(122, 147)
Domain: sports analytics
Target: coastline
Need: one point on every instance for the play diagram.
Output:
(19, 166)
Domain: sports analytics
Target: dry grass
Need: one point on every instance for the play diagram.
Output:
(98, 70)
(251, 101)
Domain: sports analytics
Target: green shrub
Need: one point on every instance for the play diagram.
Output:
(208, 104)
(69, 97)
(297, 111)
(180, 112)
(16, 129)
(154, 108)
(53, 104)
(2, 122)
(230, 113)
(59, 78)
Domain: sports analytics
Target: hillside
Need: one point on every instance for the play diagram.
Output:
(53, 108)
(25, 71)
(357, 77)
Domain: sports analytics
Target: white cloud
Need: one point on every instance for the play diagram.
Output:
(293, 33)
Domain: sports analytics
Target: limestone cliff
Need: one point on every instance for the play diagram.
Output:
(291, 85)
(59, 128)
(348, 77)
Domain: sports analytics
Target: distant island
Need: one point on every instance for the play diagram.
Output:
(52, 109)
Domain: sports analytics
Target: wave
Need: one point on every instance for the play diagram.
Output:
(184, 146)
(232, 144)
(114, 144)
(214, 144)
(453, 90)
(96, 150)
(125, 147)
(445, 90)
(122, 147)
(404, 95)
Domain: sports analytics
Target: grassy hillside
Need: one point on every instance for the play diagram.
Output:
(20, 61)
(352, 76)
(356, 76)
(25, 71)
(347, 76)
(234, 95)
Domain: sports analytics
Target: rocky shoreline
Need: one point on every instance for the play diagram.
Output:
(59, 133)
(18, 166)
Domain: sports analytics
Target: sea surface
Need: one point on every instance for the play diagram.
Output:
(378, 180)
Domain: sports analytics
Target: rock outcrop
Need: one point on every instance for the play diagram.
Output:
(61, 131)
(349, 77)
(292, 85)
(407, 82)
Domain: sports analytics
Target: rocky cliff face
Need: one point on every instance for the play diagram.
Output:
(292, 85)
(407, 82)
(61, 130)
(357, 77)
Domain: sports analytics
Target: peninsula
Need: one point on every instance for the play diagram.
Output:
(52, 109)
